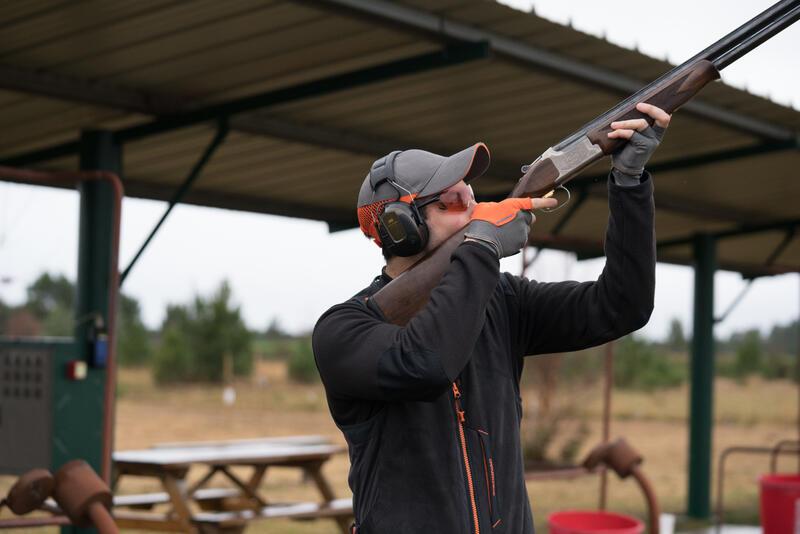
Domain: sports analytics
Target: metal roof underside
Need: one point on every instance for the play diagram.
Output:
(314, 91)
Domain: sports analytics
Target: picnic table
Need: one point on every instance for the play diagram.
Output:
(199, 509)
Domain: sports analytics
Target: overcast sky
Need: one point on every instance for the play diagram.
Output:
(293, 269)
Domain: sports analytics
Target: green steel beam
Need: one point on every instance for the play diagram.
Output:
(43, 154)
(702, 159)
(702, 379)
(449, 56)
(222, 133)
(724, 155)
(785, 224)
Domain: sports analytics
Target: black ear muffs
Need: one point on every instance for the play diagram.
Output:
(401, 228)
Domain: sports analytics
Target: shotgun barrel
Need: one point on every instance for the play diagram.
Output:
(723, 60)
(773, 20)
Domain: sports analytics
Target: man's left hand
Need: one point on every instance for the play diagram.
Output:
(643, 140)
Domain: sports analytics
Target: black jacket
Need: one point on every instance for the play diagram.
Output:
(431, 411)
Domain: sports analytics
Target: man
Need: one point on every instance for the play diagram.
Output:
(431, 410)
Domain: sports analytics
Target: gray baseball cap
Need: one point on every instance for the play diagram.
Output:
(419, 173)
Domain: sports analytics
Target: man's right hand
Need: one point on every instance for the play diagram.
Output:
(503, 226)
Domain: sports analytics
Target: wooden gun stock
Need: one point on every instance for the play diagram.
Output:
(407, 294)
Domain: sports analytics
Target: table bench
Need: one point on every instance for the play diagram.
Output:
(206, 498)
(236, 521)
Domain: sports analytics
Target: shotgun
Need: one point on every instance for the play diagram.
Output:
(406, 295)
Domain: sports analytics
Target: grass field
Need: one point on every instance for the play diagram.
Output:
(752, 413)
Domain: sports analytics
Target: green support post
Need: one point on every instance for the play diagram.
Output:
(99, 151)
(702, 378)
(78, 406)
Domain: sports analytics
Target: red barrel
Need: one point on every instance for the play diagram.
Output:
(779, 501)
(592, 522)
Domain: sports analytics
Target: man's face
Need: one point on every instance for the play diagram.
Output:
(449, 213)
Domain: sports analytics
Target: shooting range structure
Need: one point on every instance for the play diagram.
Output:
(279, 107)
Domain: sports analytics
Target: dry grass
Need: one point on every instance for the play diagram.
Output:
(753, 401)
(753, 413)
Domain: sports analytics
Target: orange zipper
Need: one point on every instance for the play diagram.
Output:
(460, 418)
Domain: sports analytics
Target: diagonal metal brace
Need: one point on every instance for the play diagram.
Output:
(222, 132)
(787, 238)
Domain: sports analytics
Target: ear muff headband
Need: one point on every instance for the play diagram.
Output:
(382, 171)
(401, 228)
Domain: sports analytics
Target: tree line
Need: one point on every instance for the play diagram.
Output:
(195, 340)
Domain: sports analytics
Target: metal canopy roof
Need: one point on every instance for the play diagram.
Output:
(314, 91)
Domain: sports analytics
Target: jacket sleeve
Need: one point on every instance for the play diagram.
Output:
(566, 316)
(361, 356)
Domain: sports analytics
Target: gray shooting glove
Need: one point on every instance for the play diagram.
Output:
(501, 226)
(628, 162)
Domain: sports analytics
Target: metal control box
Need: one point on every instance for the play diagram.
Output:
(26, 389)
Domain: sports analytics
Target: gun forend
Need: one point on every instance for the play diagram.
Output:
(668, 95)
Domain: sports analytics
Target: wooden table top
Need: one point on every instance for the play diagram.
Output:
(232, 453)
